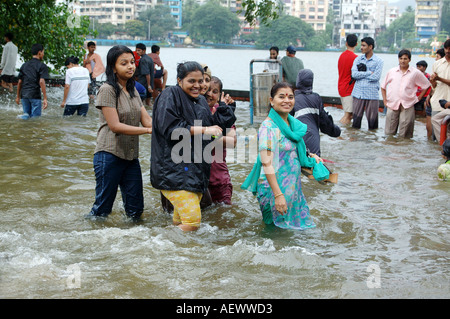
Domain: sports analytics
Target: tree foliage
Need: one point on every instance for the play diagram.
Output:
(284, 31)
(135, 28)
(161, 21)
(104, 30)
(43, 21)
(401, 29)
(189, 8)
(261, 10)
(445, 18)
(213, 23)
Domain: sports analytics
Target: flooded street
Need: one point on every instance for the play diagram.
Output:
(382, 230)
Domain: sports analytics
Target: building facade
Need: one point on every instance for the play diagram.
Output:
(313, 12)
(113, 11)
(176, 10)
(121, 11)
(427, 18)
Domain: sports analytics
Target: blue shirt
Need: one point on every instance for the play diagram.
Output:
(367, 83)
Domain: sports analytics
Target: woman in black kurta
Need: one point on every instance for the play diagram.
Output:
(182, 127)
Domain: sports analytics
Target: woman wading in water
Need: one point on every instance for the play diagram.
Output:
(282, 154)
(116, 162)
(182, 128)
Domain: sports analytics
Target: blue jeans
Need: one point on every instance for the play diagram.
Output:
(31, 108)
(81, 109)
(112, 172)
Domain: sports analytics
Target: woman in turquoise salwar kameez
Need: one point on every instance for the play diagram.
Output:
(276, 176)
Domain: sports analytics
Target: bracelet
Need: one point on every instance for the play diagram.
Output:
(281, 194)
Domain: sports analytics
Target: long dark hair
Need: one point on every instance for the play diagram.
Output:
(111, 78)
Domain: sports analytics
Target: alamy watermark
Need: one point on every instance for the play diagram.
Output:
(73, 21)
(374, 279)
(191, 149)
(73, 280)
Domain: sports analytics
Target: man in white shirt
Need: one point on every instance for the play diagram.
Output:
(8, 63)
(76, 98)
(440, 81)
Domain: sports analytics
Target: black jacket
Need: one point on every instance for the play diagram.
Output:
(309, 110)
(177, 161)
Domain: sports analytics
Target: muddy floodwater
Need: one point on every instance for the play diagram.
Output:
(382, 230)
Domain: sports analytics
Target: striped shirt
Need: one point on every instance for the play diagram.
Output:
(129, 110)
(367, 84)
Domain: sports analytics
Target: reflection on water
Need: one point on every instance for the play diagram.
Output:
(387, 213)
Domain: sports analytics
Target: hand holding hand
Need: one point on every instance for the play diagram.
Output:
(213, 130)
(317, 158)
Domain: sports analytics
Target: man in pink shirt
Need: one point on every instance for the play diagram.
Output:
(345, 82)
(399, 96)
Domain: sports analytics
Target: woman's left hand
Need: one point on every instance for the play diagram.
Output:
(317, 158)
(226, 99)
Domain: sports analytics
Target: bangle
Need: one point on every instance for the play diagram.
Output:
(280, 194)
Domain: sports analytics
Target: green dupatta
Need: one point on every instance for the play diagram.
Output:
(295, 132)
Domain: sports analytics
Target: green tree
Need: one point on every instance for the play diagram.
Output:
(43, 21)
(401, 29)
(318, 42)
(161, 21)
(104, 30)
(261, 10)
(214, 23)
(188, 11)
(445, 17)
(284, 31)
(135, 28)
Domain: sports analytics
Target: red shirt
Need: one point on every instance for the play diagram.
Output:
(156, 59)
(345, 64)
(419, 89)
(136, 58)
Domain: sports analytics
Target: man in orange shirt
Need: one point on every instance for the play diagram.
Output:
(345, 82)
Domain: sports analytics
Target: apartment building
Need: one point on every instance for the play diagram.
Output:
(427, 18)
(358, 17)
(176, 10)
(313, 12)
(385, 14)
(113, 11)
(120, 11)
